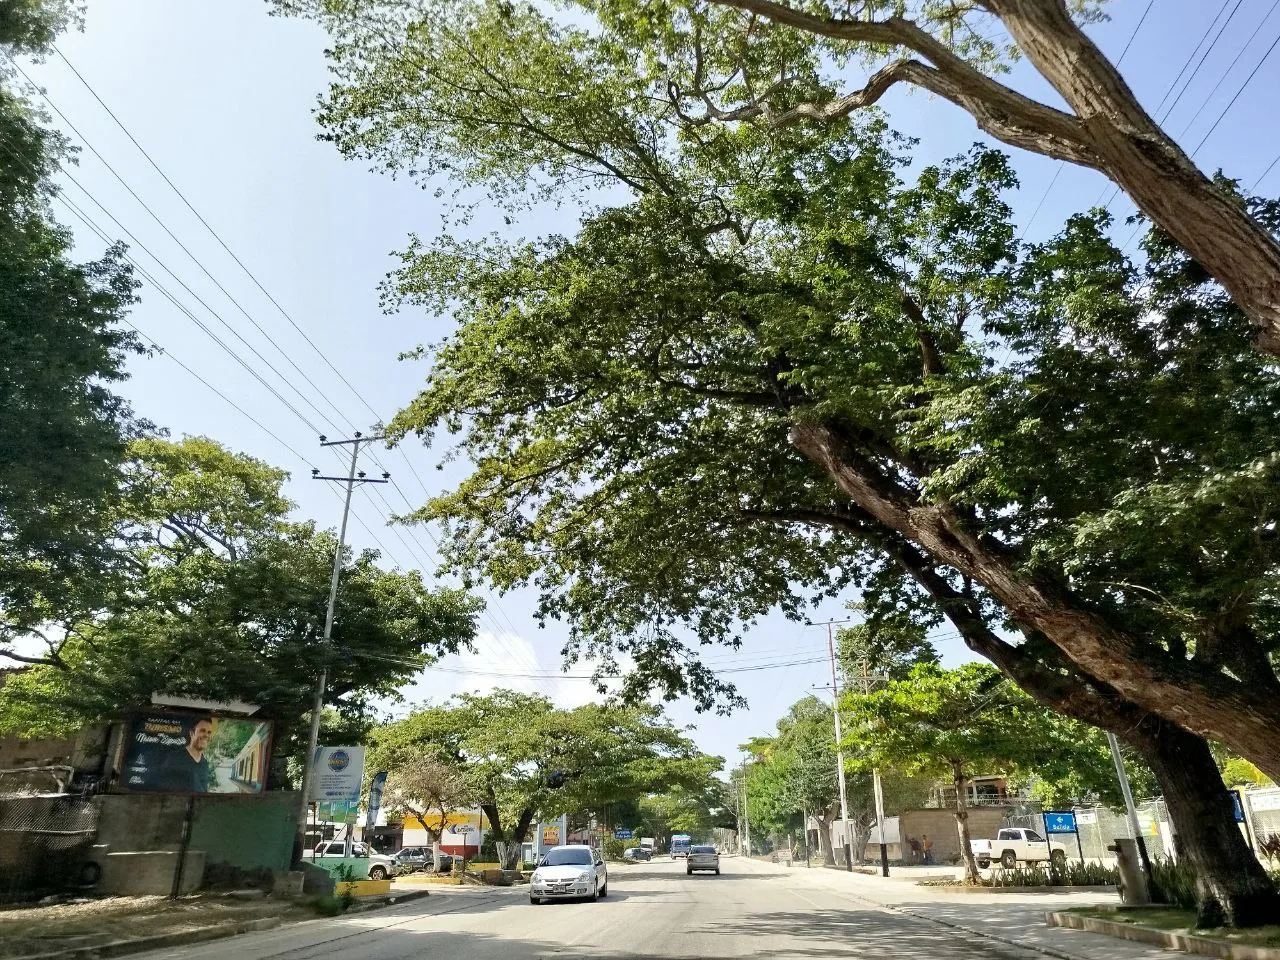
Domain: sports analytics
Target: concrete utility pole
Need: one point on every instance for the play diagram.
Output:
(746, 819)
(352, 478)
(877, 790)
(1129, 805)
(835, 711)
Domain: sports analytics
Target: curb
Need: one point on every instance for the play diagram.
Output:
(961, 888)
(120, 948)
(1187, 943)
(183, 938)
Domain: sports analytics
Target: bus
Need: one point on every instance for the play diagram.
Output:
(680, 843)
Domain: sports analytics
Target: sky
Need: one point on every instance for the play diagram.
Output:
(220, 96)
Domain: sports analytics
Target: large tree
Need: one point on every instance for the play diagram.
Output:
(795, 772)
(696, 63)
(63, 350)
(225, 598)
(521, 758)
(778, 314)
(954, 724)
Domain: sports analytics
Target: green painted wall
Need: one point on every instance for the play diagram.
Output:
(250, 832)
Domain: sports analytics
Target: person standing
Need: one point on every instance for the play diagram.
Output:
(926, 848)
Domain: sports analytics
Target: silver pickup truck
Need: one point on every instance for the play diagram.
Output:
(1013, 845)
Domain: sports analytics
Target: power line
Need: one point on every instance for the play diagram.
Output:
(1225, 110)
(249, 273)
(194, 259)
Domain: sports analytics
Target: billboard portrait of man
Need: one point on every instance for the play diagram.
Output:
(196, 753)
(186, 769)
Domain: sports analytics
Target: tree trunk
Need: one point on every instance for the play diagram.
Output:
(1241, 714)
(1141, 159)
(824, 838)
(962, 822)
(1231, 885)
(861, 837)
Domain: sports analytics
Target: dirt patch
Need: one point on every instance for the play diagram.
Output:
(29, 930)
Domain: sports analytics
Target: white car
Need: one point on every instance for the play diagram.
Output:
(703, 858)
(569, 872)
(1016, 844)
(380, 867)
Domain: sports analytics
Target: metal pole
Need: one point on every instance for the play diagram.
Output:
(835, 710)
(746, 817)
(878, 791)
(313, 737)
(1128, 800)
(808, 853)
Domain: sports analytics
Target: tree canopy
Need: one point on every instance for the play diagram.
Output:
(225, 598)
(957, 724)
(520, 758)
(64, 346)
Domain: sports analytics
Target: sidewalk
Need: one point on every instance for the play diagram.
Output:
(1016, 919)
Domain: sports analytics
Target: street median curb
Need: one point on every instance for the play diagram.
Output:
(183, 938)
(963, 888)
(1186, 942)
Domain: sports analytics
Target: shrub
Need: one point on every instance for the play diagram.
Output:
(1069, 874)
(332, 906)
(613, 848)
(1270, 847)
(1173, 882)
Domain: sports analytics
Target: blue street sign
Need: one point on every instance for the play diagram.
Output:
(622, 834)
(1238, 804)
(1060, 822)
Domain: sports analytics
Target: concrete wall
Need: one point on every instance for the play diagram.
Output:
(940, 826)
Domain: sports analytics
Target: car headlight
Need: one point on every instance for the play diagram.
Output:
(537, 877)
(586, 874)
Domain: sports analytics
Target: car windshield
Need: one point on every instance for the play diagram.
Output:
(569, 857)
(702, 849)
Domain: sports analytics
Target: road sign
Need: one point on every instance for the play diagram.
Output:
(1237, 804)
(1060, 822)
(623, 834)
(1086, 818)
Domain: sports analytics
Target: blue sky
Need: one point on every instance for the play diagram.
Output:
(220, 95)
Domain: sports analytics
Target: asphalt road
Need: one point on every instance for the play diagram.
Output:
(653, 910)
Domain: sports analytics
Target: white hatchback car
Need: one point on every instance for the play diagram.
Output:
(703, 858)
(569, 872)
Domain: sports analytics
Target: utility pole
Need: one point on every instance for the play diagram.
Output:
(835, 711)
(746, 819)
(877, 790)
(352, 478)
(1129, 805)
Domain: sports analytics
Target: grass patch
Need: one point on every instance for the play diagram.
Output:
(1176, 920)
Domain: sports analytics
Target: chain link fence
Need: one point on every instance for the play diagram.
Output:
(45, 845)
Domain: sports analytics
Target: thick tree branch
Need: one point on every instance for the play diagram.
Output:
(1002, 112)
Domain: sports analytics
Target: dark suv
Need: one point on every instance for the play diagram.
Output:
(413, 859)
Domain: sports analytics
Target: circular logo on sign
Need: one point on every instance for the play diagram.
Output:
(339, 760)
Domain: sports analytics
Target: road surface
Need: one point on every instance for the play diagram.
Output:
(654, 910)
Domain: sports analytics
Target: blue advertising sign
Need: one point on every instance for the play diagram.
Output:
(623, 834)
(1238, 804)
(1060, 822)
(376, 786)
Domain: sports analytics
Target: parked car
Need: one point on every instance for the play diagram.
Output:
(637, 853)
(413, 859)
(1017, 844)
(569, 872)
(702, 858)
(380, 866)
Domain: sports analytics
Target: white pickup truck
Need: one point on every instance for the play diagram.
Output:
(1013, 845)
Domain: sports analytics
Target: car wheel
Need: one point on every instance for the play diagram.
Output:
(717, 871)
(378, 873)
(1008, 859)
(536, 901)
(604, 891)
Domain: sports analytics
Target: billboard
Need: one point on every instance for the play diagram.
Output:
(337, 774)
(195, 752)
